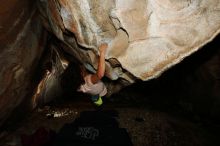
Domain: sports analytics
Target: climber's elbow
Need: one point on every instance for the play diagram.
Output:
(100, 75)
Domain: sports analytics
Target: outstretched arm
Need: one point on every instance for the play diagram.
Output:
(101, 64)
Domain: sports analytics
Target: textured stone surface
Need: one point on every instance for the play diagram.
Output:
(21, 44)
(146, 37)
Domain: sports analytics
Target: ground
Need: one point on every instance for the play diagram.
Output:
(145, 126)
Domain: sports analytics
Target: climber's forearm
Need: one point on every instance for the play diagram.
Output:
(101, 65)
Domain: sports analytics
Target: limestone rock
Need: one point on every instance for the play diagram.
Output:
(146, 37)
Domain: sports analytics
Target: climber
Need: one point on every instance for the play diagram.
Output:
(76, 77)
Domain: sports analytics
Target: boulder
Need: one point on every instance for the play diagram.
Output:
(145, 37)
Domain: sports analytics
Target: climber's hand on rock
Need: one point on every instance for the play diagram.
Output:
(103, 47)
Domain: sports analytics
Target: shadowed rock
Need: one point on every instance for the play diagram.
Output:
(21, 42)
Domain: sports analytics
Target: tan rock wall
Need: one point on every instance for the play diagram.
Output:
(146, 37)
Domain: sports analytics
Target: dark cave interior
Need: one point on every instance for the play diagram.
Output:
(186, 96)
(179, 108)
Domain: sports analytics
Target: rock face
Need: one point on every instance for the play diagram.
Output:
(146, 37)
(21, 43)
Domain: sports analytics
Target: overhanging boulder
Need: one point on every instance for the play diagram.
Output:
(145, 37)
